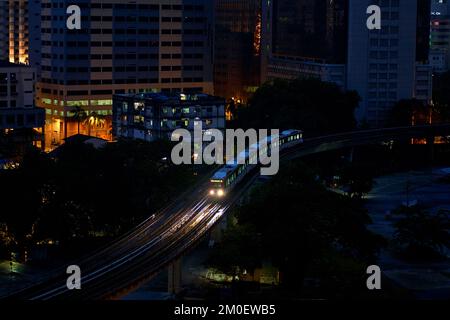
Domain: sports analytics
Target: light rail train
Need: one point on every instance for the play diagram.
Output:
(227, 177)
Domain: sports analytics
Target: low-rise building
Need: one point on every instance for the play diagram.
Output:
(153, 116)
(17, 110)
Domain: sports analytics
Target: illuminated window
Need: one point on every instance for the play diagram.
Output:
(107, 102)
(77, 103)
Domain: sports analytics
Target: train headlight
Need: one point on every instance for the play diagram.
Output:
(220, 193)
(212, 192)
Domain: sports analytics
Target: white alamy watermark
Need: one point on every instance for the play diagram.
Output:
(74, 280)
(74, 19)
(237, 147)
(374, 20)
(374, 280)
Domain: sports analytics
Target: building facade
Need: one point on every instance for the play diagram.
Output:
(20, 31)
(440, 35)
(439, 60)
(329, 40)
(17, 110)
(385, 66)
(310, 29)
(153, 116)
(292, 67)
(124, 46)
(305, 39)
(237, 58)
(4, 32)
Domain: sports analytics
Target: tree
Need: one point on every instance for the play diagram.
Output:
(239, 250)
(21, 198)
(94, 120)
(441, 96)
(441, 89)
(409, 112)
(79, 115)
(231, 108)
(81, 191)
(420, 234)
(300, 225)
(358, 178)
(314, 106)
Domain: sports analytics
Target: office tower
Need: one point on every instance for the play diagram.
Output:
(440, 35)
(237, 46)
(17, 109)
(4, 34)
(305, 38)
(20, 31)
(14, 31)
(387, 65)
(150, 116)
(34, 35)
(123, 46)
(310, 29)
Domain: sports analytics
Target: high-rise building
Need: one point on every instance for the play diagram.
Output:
(20, 31)
(440, 35)
(237, 56)
(14, 31)
(329, 40)
(124, 46)
(390, 64)
(34, 31)
(305, 38)
(4, 34)
(310, 29)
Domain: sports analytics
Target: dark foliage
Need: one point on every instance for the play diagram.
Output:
(311, 105)
(85, 192)
(301, 227)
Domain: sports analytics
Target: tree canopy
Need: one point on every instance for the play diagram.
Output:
(82, 191)
(441, 96)
(300, 226)
(314, 106)
(421, 234)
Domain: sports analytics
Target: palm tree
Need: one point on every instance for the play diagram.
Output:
(94, 120)
(79, 115)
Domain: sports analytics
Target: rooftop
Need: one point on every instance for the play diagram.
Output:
(222, 173)
(81, 138)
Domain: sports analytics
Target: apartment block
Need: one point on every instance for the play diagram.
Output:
(153, 116)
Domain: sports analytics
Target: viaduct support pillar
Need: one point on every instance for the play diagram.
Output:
(216, 234)
(174, 281)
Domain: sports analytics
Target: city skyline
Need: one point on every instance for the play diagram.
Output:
(275, 54)
(203, 151)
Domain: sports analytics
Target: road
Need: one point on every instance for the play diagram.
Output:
(139, 255)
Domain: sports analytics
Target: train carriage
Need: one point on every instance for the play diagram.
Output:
(234, 171)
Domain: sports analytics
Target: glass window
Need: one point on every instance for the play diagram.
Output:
(3, 78)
